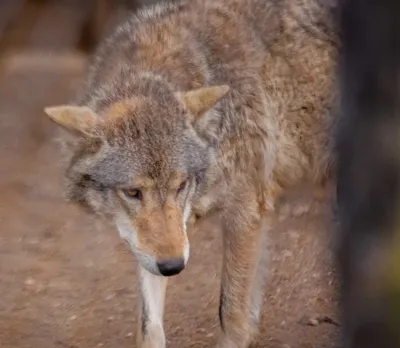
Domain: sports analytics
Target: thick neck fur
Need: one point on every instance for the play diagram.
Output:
(182, 45)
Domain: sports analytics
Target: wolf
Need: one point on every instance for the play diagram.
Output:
(203, 109)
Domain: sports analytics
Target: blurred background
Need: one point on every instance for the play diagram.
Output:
(66, 279)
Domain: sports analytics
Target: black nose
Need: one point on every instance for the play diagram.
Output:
(171, 267)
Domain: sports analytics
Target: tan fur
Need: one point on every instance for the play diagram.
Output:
(207, 107)
(200, 100)
(158, 224)
(73, 118)
(118, 110)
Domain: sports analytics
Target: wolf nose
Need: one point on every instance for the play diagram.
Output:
(171, 267)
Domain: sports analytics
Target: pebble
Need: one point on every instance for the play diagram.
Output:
(30, 281)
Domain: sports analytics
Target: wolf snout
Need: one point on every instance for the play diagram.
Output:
(171, 267)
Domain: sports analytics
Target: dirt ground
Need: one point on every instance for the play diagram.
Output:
(68, 281)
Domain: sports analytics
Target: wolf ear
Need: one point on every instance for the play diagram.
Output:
(200, 100)
(76, 119)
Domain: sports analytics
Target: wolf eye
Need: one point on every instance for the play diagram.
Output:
(133, 193)
(182, 186)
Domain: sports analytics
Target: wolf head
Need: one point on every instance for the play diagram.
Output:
(140, 159)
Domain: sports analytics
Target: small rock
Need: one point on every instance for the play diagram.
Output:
(287, 253)
(294, 234)
(329, 320)
(33, 242)
(314, 321)
(30, 281)
(110, 297)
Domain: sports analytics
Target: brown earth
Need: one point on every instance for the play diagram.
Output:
(67, 280)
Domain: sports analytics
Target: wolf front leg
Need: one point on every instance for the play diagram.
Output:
(150, 331)
(243, 278)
